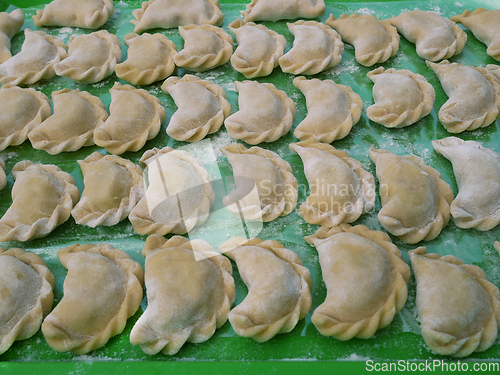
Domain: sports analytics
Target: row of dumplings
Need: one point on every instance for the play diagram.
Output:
(265, 113)
(190, 291)
(317, 47)
(416, 201)
(79, 119)
(95, 56)
(436, 37)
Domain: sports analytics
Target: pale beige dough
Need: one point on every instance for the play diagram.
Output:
(332, 110)
(205, 47)
(10, 24)
(477, 172)
(316, 47)
(190, 291)
(149, 59)
(102, 289)
(135, 117)
(3, 176)
(485, 25)
(25, 295)
(21, 110)
(265, 185)
(178, 196)
(365, 278)
(435, 37)
(275, 10)
(88, 14)
(473, 96)
(76, 115)
(42, 199)
(401, 97)
(279, 288)
(265, 113)
(167, 14)
(415, 199)
(91, 57)
(259, 49)
(202, 107)
(374, 41)
(494, 69)
(39, 53)
(458, 308)
(341, 190)
(112, 188)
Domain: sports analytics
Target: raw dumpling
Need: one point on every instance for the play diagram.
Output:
(112, 188)
(87, 14)
(20, 111)
(91, 57)
(477, 172)
(205, 47)
(316, 47)
(201, 107)
(178, 196)
(26, 295)
(10, 24)
(459, 309)
(190, 291)
(149, 59)
(374, 41)
(365, 278)
(42, 199)
(167, 14)
(485, 25)
(135, 117)
(258, 51)
(401, 97)
(275, 10)
(279, 288)
(474, 96)
(265, 113)
(76, 115)
(332, 110)
(102, 289)
(415, 199)
(435, 37)
(340, 188)
(36, 60)
(265, 185)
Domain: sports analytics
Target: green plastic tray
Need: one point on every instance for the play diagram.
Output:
(225, 351)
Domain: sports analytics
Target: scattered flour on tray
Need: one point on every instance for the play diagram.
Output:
(436, 8)
(10, 155)
(355, 357)
(99, 85)
(65, 33)
(366, 11)
(155, 90)
(220, 78)
(345, 67)
(121, 4)
(222, 139)
(116, 12)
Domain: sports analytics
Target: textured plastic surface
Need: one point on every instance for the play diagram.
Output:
(402, 339)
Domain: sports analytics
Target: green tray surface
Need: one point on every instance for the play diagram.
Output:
(401, 340)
